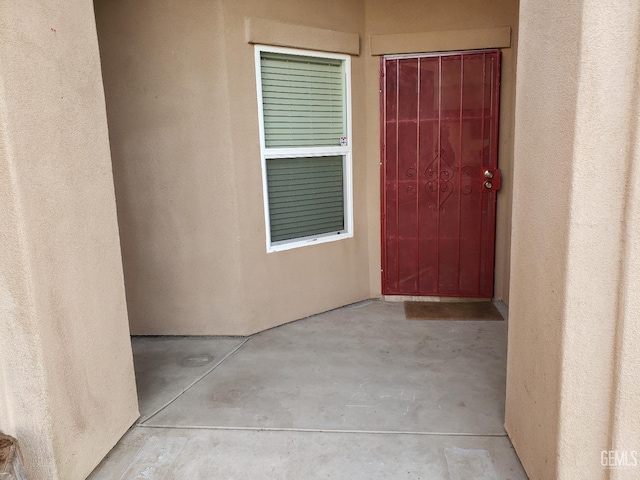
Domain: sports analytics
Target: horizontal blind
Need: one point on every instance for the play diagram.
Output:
(305, 196)
(302, 100)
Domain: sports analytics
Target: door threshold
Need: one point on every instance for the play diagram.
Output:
(414, 298)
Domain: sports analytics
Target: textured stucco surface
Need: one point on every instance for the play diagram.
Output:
(182, 106)
(165, 80)
(570, 390)
(67, 391)
(425, 19)
(296, 283)
(183, 119)
(187, 175)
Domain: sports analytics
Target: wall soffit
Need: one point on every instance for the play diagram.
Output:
(268, 32)
(441, 41)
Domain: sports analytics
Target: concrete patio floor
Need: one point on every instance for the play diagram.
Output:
(355, 393)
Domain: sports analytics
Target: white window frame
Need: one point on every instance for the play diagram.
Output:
(344, 151)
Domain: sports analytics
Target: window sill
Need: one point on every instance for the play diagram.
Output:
(315, 240)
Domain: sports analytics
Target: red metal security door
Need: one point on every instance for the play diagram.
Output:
(439, 175)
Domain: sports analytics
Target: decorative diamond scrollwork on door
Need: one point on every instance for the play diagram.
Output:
(439, 184)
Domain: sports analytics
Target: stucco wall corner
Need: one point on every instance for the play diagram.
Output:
(65, 350)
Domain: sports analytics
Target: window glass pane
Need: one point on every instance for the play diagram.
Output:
(302, 100)
(305, 196)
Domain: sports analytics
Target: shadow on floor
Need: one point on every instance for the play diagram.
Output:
(356, 393)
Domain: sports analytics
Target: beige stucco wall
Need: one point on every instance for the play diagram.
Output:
(284, 286)
(182, 107)
(67, 388)
(574, 321)
(181, 95)
(166, 87)
(185, 166)
(435, 19)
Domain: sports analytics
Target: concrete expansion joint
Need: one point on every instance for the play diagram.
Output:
(322, 430)
(142, 420)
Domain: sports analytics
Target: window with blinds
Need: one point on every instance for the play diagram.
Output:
(304, 125)
(305, 196)
(302, 101)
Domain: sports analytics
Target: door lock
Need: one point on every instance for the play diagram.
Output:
(491, 181)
